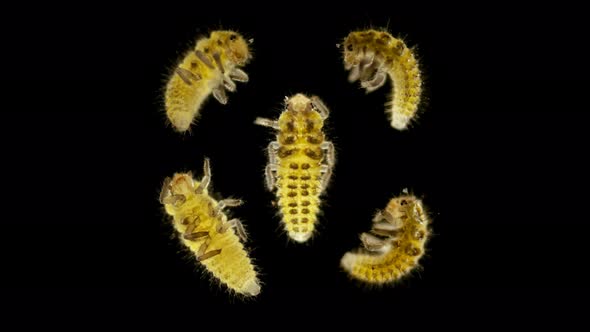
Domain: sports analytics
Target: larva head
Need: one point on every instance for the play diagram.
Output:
(236, 46)
(301, 115)
(182, 184)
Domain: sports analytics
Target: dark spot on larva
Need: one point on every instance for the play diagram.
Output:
(304, 186)
(289, 140)
(283, 152)
(306, 177)
(193, 65)
(293, 166)
(403, 202)
(305, 203)
(313, 140)
(412, 251)
(305, 166)
(219, 42)
(233, 37)
(294, 220)
(292, 204)
(312, 154)
(305, 211)
(304, 229)
(304, 220)
(292, 186)
(185, 221)
(308, 125)
(293, 211)
(292, 194)
(419, 235)
(349, 47)
(290, 126)
(396, 243)
(206, 49)
(292, 177)
(296, 229)
(304, 193)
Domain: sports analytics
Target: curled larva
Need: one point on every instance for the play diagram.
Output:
(210, 68)
(371, 55)
(205, 229)
(300, 163)
(394, 245)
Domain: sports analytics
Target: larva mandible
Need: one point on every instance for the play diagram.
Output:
(300, 163)
(205, 229)
(394, 245)
(371, 55)
(210, 68)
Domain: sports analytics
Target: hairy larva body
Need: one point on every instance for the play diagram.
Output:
(371, 55)
(394, 245)
(210, 68)
(300, 163)
(205, 229)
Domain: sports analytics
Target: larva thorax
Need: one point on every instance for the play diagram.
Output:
(205, 229)
(358, 43)
(300, 163)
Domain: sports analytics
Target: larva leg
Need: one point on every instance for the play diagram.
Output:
(355, 73)
(375, 83)
(385, 229)
(239, 75)
(270, 176)
(206, 177)
(217, 59)
(326, 174)
(187, 75)
(228, 202)
(322, 109)
(174, 199)
(219, 94)
(204, 59)
(267, 123)
(165, 189)
(388, 217)
(372, 243)
(272, 149)
(330, 154)
(229, 84)
(235, 224)
(190, 235)
(202, 254)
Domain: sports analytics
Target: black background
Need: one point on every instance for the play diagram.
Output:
(497, 153)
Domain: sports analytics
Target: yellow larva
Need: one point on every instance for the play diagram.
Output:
(205, 229)
(300, 163)
(210, 68)
(370, 55)
(394, 245)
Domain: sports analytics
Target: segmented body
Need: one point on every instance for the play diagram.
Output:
(209, 68)
(370, 55)
(300, 164)
(207, 232)
(395, 244)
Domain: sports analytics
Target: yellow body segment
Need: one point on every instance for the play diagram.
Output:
(208, 68)
(200, 224)
(371, 52)
(397, 254)
(300, 164)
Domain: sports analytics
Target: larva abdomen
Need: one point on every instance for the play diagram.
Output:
(394, 245)
(205, 229)
(371, 56)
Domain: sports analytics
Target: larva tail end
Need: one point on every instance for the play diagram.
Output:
(251, 287)
(399, 121)
(347, 261)
(300, 237)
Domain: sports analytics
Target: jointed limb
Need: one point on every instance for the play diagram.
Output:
(267, 123)
(235, 224)
(321, 107)
(238, 75)
(206, 177)
(326, 174)
(270, 176)
(330, 153)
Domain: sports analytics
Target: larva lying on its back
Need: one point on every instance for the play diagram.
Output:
(370, 55)
(300, 163)
(395, 244)
(210, 68)
(205, 230)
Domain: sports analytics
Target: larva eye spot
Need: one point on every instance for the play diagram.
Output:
(233, 37)
(349, 48)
